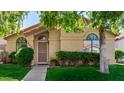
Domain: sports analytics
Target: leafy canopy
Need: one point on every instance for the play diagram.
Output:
(11, 21)
(113, 20)
(69, 21)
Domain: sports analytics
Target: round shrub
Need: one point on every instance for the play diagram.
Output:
(12, 57)
(24, 56)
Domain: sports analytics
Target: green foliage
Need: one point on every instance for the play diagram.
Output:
(72, 21)
(85, 73)
(69, 21)
(4, 57)
(12, 72)
(86, 57)
(24, 56)
(54, 62)
(12, 57)
(113, 20)
(11, 21)
(118, 54)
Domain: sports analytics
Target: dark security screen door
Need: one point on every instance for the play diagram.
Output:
(42, 52)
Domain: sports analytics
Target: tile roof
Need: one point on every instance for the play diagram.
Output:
(37, 27)
(26, 30)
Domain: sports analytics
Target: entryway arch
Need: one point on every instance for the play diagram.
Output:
(42, 48)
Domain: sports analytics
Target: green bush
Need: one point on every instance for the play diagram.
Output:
(12, 57)
(85, 57)
(74, 57)
(54, 62)
(119, 54)
(4, 57)
(24, 56)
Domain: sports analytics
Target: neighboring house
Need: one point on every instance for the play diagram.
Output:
(46, 43)
(119, 41)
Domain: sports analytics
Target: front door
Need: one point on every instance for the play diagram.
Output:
(42, 52)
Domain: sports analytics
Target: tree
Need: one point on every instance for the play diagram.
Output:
(69, 21)
(104, 20)
(11, 21)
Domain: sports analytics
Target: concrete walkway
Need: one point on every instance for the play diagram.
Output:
(37, 73)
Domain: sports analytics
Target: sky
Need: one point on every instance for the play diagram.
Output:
(32, 19)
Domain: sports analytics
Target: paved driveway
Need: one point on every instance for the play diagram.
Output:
(37, 73)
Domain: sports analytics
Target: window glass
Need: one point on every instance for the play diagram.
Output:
(21, 42)
(91, 44)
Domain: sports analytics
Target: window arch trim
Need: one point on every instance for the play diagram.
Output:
(92, 36)
(42, 38)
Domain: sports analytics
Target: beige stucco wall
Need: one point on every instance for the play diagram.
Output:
(74, 42)
(11, 42)
(60, 40)
(54, 43)
(71, 41)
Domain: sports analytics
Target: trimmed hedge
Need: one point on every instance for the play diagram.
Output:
(24, 56)
(73, 58)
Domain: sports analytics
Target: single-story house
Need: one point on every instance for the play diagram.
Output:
(47, 42)
(119, 40)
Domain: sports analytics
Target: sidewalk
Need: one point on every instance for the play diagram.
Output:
(37, 73)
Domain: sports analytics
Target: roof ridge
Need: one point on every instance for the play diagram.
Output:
(23, 30)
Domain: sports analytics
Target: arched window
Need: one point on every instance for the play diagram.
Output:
(92, 37)
(21, 42)
(43, 38)
(91, 44)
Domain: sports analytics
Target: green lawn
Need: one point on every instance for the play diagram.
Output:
(12, 72)
(85, 74)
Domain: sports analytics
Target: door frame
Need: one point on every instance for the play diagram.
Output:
(38, 52)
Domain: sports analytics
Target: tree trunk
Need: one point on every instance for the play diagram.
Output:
(104, 62)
